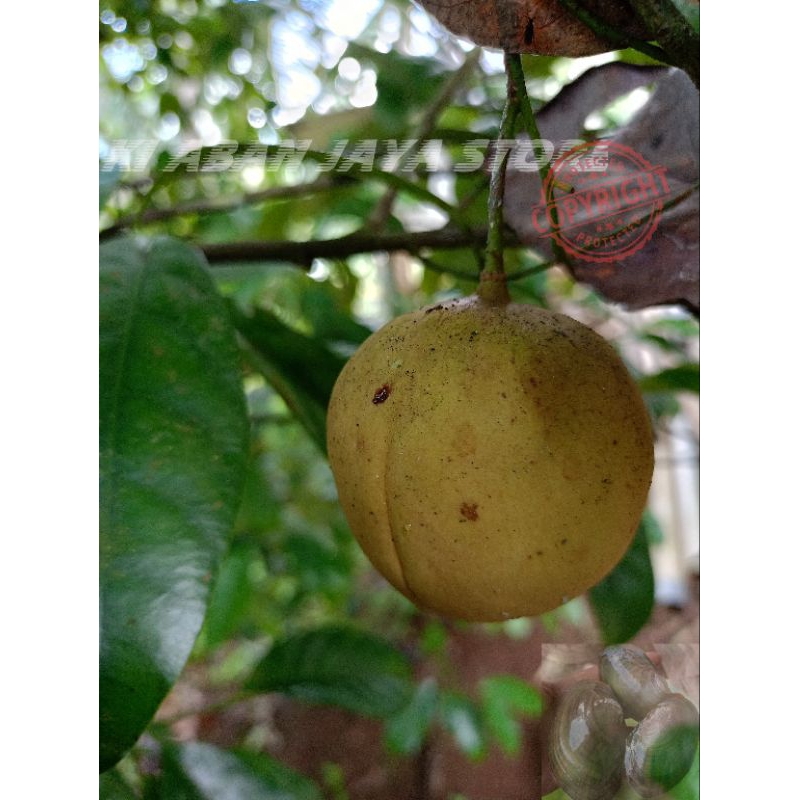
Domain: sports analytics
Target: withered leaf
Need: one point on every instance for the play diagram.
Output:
(665, 132)
(544, 27)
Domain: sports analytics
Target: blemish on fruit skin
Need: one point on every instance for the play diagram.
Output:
(382, 394)
(469, 511)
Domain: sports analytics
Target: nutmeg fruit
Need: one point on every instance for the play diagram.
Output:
(492, 458)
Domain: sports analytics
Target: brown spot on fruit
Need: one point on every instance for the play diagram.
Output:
(469, 511)
(381, 394)
(465, 440)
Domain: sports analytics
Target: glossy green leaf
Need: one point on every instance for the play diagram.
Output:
(407, 730)
(329, 321)
(685, 378)
(200, 771)
(173, 443)
(338, 666)
(623, 600)
(300, 368)
(505, 699)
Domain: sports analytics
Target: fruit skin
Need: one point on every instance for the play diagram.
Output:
(493, 460)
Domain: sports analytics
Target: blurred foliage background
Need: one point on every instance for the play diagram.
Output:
(292, 262)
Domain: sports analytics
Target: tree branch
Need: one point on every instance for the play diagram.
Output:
(304, 253)
(611, 34)
(673, 32)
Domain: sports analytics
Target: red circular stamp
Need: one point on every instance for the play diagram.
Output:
(602, 201)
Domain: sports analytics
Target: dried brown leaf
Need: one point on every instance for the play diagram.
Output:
(533, 26)
(665, 132)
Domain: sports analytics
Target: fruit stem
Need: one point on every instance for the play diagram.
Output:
(516, 76)
(492, 286)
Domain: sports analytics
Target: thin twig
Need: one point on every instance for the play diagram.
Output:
(223, 704)
(353, 173)
(434, 266)
(517, 76)
(382, 210)
(322, 184)
(526, 273)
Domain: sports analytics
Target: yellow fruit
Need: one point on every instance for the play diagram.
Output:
(492, 459)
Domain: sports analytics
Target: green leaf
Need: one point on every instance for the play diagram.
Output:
(113, 787)
(405, 86)
(109, 179)
(623, 600)
(685, 378)
(672, 755)
(505, 698)
(461, 717)
(200, 771)
(689, 787)
(406, 730)
(339, 666)
(433, 639)
(231, 594)
(319, 305)
(690, 10)
(300, 368)
(652, 528)
(173, 443)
